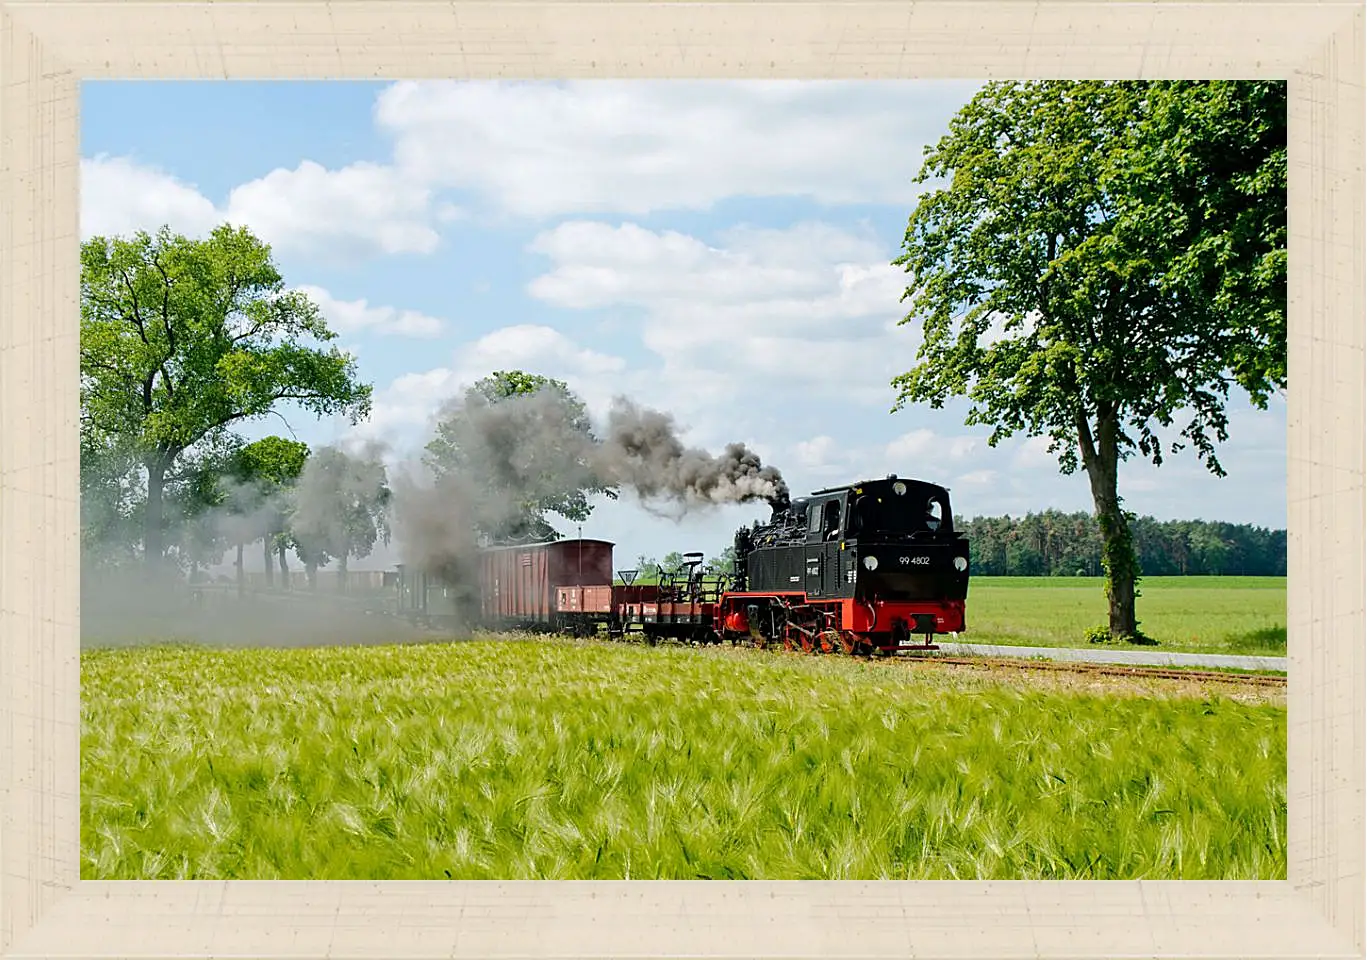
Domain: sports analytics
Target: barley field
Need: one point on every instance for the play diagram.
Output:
(535, 759)
(1237, 615)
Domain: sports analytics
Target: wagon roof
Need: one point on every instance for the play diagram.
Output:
(543, 544)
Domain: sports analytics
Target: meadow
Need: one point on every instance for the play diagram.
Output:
(520, 759)
(1237, 615)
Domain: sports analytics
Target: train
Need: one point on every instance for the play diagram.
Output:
(869, 568)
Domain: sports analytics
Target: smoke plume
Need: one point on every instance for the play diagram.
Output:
(643, 451)
(492, 465)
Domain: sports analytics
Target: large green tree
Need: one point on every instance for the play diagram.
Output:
(1094, 261)
(515, 470)
(182, 338)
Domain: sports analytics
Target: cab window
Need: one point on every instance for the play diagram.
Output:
(934, 515)
(831, 522)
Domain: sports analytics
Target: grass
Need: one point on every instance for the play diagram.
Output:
(1228, 615)
(555, 759)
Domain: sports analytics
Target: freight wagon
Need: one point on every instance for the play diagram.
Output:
(563, 585)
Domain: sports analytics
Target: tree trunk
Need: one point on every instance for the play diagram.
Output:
(341, 574)
(1100, 457)
(311, 570)
(284, 567)
(241, 573)
(154, 546)
(270, 560)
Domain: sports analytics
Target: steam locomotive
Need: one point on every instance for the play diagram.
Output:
(859, 569)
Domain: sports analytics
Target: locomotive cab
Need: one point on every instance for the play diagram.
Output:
(901, 547)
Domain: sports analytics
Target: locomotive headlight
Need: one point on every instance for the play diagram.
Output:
(870, 563)
(961, 564)
(899, 488)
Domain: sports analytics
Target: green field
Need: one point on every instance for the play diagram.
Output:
(554, 759)
(1239, 615)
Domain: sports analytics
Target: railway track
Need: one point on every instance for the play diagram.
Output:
(1111, 669)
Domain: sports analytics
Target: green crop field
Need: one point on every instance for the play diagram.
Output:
(560, 759)
(1241, 615)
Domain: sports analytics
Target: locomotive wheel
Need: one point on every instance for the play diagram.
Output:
(836, 641)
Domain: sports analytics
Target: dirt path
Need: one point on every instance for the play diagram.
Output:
(1131, 658)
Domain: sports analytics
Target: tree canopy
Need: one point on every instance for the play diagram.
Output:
(1093, 261)
(181, 339)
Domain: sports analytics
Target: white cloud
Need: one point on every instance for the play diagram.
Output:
(119, 196)
(815, 452)
(545, 149)
(1033, 454)
(408, 404)
(920, 453)
(550, 149)
(534, 347)
(796, 280)
(922, 445)
(811, 306)
(358, 210)
(358, 316)
(977, 478)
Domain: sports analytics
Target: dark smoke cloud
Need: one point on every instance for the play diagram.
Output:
(527, 448)
(642, 450)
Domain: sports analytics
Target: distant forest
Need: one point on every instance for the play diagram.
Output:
(1069, 544)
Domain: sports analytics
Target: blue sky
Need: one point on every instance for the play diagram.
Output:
(718, 250)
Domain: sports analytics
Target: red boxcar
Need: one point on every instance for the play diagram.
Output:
(519, 585)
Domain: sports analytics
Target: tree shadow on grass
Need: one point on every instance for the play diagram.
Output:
(1268, 640)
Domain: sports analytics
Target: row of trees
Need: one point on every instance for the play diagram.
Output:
(321, 506)
(1057, 544)
(183, 341)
